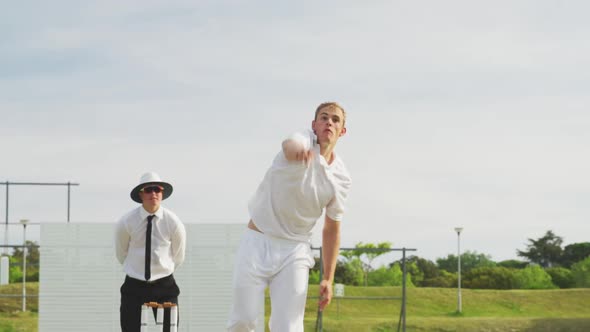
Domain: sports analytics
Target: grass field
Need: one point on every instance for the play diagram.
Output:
(434, 309)
(429, 309)
(12, 319)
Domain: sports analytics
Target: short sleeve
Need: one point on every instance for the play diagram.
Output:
(342, 182)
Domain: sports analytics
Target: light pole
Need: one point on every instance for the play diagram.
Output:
(458, 230)
(24, 223)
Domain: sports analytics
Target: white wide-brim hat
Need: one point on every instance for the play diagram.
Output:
(151, 178)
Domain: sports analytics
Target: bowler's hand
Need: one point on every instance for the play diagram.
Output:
(294, 151)
(304, 156)
(325, 294)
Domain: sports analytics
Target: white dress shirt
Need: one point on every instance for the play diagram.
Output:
(168, 243)
(293, 195)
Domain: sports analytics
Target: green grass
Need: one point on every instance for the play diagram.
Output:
(429, 310)
(12, 319)
(434, 309)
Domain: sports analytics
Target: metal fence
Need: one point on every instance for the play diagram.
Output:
(21, 263)
(24, 223)
(402, 315)
(34, 298)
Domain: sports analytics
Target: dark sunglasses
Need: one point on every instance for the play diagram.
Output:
(154, 189)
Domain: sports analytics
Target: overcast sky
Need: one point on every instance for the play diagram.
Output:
(460, 113)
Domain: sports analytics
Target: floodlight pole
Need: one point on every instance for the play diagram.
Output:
(458, 230)
(24, 223)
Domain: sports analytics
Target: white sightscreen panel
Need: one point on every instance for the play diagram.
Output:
(80, 277)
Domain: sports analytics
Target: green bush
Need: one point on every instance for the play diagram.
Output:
(581, 273)
(533, 277)
(421, 269)
(16, 263)
(314, 277)
(444, 279)
(561, 277)
(413, 271)
(392, 276)
(349, 273)
(15, 274)
(490, 278)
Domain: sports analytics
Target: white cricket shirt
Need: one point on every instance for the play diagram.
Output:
(293, 195)
(168, 243)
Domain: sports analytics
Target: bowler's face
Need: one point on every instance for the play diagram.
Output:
(329, 125)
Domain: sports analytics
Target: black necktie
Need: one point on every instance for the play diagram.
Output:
(148, 248)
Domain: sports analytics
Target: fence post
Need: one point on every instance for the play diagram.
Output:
(24, 223)
(404, 290)
(319, 323)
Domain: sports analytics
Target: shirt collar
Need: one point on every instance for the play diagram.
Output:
(144, 214)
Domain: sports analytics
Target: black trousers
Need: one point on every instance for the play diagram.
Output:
(134, 293)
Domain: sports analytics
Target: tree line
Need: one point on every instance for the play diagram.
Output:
(546, 264)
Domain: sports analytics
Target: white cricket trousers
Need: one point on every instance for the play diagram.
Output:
(266, 261)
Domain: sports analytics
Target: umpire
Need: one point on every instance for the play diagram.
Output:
(150, 243)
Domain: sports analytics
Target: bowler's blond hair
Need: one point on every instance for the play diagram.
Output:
(330, 105)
